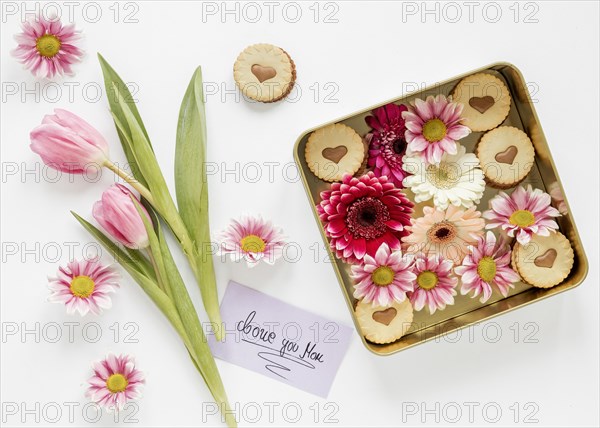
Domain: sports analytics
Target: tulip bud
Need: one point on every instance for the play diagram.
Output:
(68, 143)
(118, 215)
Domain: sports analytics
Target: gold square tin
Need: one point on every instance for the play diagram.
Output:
(466, 310)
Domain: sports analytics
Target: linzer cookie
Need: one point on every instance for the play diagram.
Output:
(506, 156)
(264, 73)
(384, 324)
(545, 261)
(333, 151)
(486, 101)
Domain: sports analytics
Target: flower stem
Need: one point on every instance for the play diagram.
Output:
(143, 191)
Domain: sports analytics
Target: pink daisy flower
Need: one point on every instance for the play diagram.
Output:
(487, 265)
(360, 214)
(385, 278)
(522, 214)
(47, 48)
(435, 284)
(252, 239)
(84, 286)
(432, 127)
(115, 382)
(387, 145)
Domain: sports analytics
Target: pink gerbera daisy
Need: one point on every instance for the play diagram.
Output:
(445, 232)
(487, 265)
(115, 382)
(387, 145)
(385, 278)
(432, 127)
(360, 214)
(84, 286)
(47, 48)
(435, 284)
(524, 213)
(253, 239)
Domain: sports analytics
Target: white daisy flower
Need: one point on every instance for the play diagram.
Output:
(457, 180)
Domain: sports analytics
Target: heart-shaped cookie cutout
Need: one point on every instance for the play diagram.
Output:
(507, 156)
(482, 104)
(335, 154)
(546, 260)
(385, 316)
(263, 73)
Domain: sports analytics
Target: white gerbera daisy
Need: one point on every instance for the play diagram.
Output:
(457, 180)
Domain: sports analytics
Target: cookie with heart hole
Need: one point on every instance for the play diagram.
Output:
(384, 324)
(506, 156)
(545, 261)
(486, 101)
(333, 151)
(264, 73)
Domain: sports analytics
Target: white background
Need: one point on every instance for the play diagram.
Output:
(373, 53)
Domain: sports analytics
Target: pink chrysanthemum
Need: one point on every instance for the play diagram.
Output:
(432, 127)
(84, 286)
(385, 278)
(487, 265)
(47, 48)
(253, 239)
(435, 284)
(115, 382)
(447, 233)
(360, 214)
(523, 213)
(387, 144)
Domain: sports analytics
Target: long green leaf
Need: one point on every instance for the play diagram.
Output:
(190, 156)
(191, 186)
(206, 362)
(115, 86)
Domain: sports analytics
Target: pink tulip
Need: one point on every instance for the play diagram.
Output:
(68, 143)
(117, 214)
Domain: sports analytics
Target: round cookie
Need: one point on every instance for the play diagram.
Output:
(506, 156)
(384, 324)
(333, 151)
(486, 101)
(545, 261)
(264, 73)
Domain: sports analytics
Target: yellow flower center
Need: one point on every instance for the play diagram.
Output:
(252, 244)
(486, 268)
(82, 286)
(427, 280)
(116, 383)
(522, 218)
(443, 176)
(383, 276)
(434, 130)
(47, 45)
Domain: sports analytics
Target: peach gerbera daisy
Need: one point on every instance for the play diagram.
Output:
(447, 233)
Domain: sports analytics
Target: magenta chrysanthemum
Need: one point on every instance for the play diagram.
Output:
(253, 239)
(360, 214)
(385, 278)
(432, 127)
(435, 284)
(115, 382)
(387, 144)
(488, 264)
(47, 48)
(84, 286)
(522, 214)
